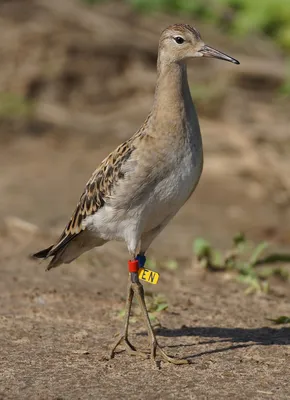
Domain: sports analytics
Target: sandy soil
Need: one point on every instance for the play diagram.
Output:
(56, 328)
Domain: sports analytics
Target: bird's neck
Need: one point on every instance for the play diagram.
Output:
(172, 101)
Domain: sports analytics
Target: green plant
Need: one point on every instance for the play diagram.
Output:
(170, 264)
(268, 17)
(13, 105)
(156, 303)
(244, 259)
(151, 263)
(283, 319)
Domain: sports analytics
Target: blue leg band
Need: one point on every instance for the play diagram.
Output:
(141, 260)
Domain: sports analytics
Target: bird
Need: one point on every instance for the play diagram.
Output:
(140, 186)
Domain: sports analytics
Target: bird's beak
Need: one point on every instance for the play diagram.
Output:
(208, 51)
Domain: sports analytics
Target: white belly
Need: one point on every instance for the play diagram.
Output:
(164, 200)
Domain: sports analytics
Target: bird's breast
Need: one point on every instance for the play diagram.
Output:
(173, 190)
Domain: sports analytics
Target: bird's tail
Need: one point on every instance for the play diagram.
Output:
(64, 253)
(43, 253)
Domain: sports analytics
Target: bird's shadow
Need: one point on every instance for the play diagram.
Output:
(236, 337)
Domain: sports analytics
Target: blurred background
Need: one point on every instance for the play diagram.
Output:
(77, 78)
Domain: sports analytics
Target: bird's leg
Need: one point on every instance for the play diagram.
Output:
(135, 287)
(139, 292)
(141, 259)
(123, 337)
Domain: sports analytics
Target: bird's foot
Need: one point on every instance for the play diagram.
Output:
(156, 349)
(129, 347)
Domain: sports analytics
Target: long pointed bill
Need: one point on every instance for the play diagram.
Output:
(208, 51)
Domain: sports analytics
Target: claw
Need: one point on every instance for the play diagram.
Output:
(129, 347)
(172, 360)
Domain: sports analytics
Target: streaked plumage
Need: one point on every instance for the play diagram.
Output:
(141, 185)
(96, 193)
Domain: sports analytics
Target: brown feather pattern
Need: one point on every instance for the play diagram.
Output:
(98, 189)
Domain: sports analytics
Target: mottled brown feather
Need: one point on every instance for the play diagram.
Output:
(98, 189)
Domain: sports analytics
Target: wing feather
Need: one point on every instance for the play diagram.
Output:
(97, 191)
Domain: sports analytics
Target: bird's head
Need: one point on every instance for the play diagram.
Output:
(180, 42)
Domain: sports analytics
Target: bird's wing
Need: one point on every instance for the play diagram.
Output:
(97, 191)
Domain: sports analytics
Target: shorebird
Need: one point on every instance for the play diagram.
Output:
(140, 186)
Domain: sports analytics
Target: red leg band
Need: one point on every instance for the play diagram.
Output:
(133, 265)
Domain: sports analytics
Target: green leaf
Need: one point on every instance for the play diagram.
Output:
(201, 248)
(151, 263)
(171, 264)
(283, 319)
(152, 317)
(281, 273)
(248, 279)
(265, 286)
(266, 272)
(258, 252)
(161, 307)
(217, 258)
(239, 239)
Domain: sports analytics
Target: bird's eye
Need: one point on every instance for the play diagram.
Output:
(179, 39)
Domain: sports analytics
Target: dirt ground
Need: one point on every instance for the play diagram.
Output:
(88, 95)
